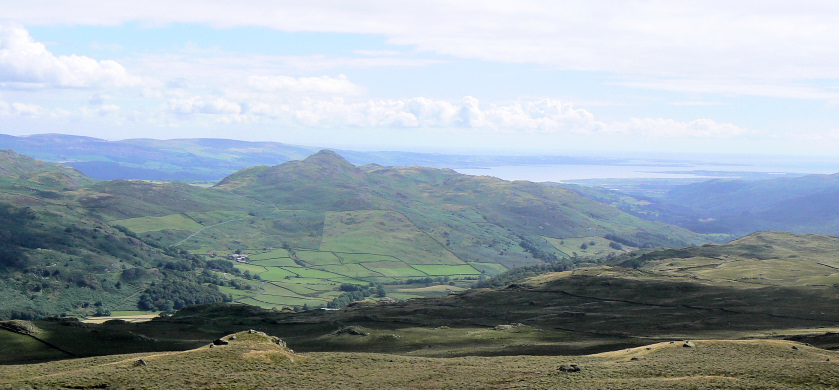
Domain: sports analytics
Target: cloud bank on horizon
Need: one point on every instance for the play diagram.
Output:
(539, 76)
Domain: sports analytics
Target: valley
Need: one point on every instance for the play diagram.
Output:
(397, 268)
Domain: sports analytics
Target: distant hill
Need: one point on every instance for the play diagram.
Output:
(305, 228)
(478, 218)
(58, 256)
(183, 159)
(211, 159)
(311, 225)
(804, 204)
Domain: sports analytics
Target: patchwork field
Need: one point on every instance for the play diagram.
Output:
(382, 232)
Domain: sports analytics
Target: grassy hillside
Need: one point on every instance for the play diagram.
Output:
(257, 361)
(484, 214)
(314, 224)
(308, 227)
(60, 257)
(672, 295)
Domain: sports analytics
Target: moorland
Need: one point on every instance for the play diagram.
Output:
(433, 278)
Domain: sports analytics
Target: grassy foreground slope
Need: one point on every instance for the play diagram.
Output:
(257, 361)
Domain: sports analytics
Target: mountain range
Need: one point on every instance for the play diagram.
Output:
(305, 228)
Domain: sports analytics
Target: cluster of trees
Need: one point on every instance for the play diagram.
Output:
(537, 251)
(644, 240)
(171, 294)
(429, 280)
(515, 274)
(355, 292)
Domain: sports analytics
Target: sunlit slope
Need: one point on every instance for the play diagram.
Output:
(59, 257)
(582, 311)
(759, 259)
(477, 218)
(43, 175)
(383, 232)
(257, 361)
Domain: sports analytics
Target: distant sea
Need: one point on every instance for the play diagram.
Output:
(699, 167)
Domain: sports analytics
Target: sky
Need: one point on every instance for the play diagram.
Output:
(523, 77)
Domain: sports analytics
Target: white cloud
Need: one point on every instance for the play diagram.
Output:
(100, 110)
(776, 89)
(306, 85)
(322, 62)
(669, 128)
(203, 105)
(770, 40)
(20, 109)
(27, 63)
(470, 115)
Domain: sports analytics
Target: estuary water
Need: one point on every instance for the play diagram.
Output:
(700, 168)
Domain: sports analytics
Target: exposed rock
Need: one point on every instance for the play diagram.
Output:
(233, 337)
(387, 300)
(212, 345)
(220, 342)
(509, 326)
(689, 344)
(795, 347)
(569, 368)
(351, 331)
(278, 341)
(251, 331)
(140, 363)
(20, 326)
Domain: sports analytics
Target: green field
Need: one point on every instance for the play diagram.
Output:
(395, 269)
(237, 294)
(275, 262)
(253, 269)
(364, 258)
(318, 258)
(272, 254)
(382, 233)
(275, 274)
(351, 270)
(448, 270)
(491, 269)
(302, 288)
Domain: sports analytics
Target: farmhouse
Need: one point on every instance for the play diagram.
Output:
(243, 258)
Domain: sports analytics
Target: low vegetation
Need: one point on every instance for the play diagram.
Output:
(293, 234)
